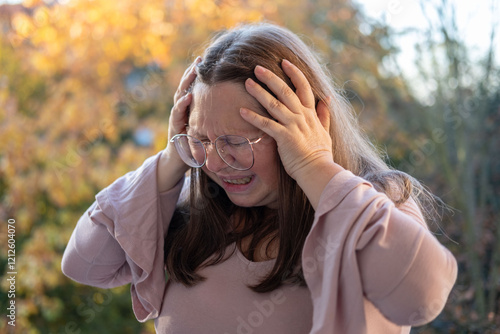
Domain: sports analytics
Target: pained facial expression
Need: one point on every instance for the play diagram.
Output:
(215, 112)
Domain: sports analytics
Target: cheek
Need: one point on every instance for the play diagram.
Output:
(267, 163)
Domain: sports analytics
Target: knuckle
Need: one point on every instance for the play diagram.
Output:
(275, 104)
(265, 122)
(287, 91)
(177, 106)
(180, 94)
(177, 94)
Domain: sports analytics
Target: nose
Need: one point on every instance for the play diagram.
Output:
(214, 163)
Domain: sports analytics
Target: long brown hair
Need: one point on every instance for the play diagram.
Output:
(201, 228)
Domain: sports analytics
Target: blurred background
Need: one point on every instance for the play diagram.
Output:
(86, 87)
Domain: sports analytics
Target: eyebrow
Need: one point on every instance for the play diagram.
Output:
(194, 133)
(203, 137)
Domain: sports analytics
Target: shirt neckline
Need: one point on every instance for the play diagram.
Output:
(244, 259)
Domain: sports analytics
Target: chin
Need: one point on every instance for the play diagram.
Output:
(242, 202)
(249, 203)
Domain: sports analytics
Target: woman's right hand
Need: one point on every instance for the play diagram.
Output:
(182, 99)
(171, 167)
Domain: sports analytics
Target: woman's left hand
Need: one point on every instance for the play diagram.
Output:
(301, 129)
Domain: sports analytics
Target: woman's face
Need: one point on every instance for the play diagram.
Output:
(215, 112)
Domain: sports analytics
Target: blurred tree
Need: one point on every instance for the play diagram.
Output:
(85, 90)
(457, 150)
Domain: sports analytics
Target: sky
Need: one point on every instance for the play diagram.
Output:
(474, 17)
(474, 20)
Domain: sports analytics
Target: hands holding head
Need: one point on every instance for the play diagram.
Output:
(301, 129)
(182, 99)
(300, 126)
(172, 168)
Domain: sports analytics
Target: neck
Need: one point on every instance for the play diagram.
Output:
(255, 233)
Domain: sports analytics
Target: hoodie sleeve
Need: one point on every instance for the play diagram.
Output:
(119, 239)
(362, 248)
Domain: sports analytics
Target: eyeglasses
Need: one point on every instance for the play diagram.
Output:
(235, 151)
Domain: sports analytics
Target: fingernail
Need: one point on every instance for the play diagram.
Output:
(250, 82)
(197, 60)
(260, 69)
(286, 62)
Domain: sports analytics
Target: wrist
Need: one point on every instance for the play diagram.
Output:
(171, 169)
(314, 178)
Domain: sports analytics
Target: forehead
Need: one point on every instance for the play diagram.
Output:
(214, 110)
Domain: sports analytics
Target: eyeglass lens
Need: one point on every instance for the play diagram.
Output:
(236, 151)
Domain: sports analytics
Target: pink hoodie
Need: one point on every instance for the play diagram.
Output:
(369, 267)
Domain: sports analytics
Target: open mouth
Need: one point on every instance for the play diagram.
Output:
(244, 180)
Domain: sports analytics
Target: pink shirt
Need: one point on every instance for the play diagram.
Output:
(224, 304)
(369, 267)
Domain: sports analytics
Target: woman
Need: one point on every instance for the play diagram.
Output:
(291, 222)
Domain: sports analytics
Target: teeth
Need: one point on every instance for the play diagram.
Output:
(239, 181)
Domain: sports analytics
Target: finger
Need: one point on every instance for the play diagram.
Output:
(275, 108)
(178, 116)
(191, 68)
(269, 126)
(302, 87)
(184, 86)
(324, 115)
(284, 93)
(186, 80)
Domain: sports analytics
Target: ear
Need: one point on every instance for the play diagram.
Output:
(323, 113)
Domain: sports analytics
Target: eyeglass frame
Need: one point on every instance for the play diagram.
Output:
(208, 142)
